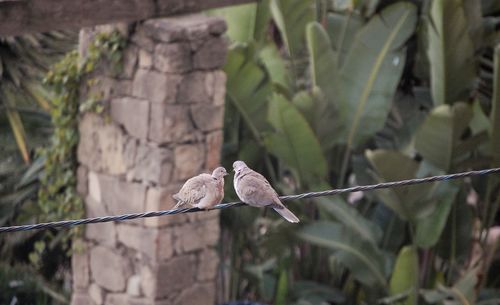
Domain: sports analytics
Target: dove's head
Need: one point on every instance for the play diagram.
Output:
(219, 172)
(238, 166)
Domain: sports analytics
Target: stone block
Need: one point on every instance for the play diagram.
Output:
(175, 275)
(148, 281)
(143, 240)
(123, 87)
(150, 85)
(172, 57)
(103, 233)
(165, 245)
(211, 55)
(96, 294)
(214, 143)
(130, 59)
(133, 114)
(101, 146)
(160, 198)
(108, 269)
(116, 299)
(197, 294)
(171, 123)
(79, 298)
(219, 95)
(189, 160)
(197, 235)
(121, 197)
(217, 26)
(208, 261)
(134, 286)
(143, 40)
(207, 117)
(80, 269)
(164, 30)
(152, 165)
(82, 180)
(94, 193)
(196, 87)
(145, 59)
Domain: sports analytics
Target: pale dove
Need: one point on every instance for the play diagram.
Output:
(253, 189)
(203, 191)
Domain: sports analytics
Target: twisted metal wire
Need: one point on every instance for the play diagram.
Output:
(70, 223)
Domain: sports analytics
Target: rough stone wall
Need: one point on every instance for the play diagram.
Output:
(163, 124)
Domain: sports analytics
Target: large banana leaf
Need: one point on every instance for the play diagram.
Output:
(350, 217)
(275, 65)
(246, 22)
(439, 136)
(294, 141)
(324, 72)
(365, 261)
(291, 17)
(372, 71)
(455, 240)
(342, 29)
(405, 275)
(450, 52)
(320, 115)
(248, 88)
(409, 202)
(429, 229)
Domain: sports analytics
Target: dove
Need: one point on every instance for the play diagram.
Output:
(203, 191)
(253, 189)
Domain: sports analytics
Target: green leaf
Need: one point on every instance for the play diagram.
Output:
(342, 29)
(440, 134)
(350, 217)
(450, 52)
(282, 288)
(294, 142)
(320, 115)
(495, 111)
(323, 65)
(372, 71)
(407, 201)
(324, 73)
(467, 286)
(291, 17)
(316, 293)
(248, 88)
(455, 241)
(275, 65)
(405, 275)
(246, 22)
(429, 229)
(365, 261)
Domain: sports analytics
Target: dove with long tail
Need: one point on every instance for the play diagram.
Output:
(254, 189)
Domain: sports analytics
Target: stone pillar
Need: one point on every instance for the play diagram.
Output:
(163, 124)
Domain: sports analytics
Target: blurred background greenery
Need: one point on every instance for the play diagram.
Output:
(320, 94)
(324, 94)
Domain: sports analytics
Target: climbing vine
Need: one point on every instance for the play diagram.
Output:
(58, 197)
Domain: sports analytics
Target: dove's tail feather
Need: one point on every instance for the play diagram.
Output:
(286, 213)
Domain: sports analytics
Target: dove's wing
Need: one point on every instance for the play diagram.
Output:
(256, 191)
(195, 189)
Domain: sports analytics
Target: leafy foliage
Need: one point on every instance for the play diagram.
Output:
(58, 198)
(333, 94)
